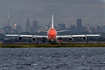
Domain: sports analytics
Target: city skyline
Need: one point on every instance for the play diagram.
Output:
(89, 11)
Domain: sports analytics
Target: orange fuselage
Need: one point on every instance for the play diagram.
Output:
(52, 33)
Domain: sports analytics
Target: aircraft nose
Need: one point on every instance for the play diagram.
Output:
(52, 33)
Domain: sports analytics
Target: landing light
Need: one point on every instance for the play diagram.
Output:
(51, 39)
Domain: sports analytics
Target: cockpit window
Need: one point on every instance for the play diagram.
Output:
(51, 29)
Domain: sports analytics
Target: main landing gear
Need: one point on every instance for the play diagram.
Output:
(52, 40)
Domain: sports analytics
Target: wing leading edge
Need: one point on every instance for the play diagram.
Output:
(63, 36)
(85, 35)
(27, 36)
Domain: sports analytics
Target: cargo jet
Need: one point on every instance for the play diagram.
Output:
(52, 35)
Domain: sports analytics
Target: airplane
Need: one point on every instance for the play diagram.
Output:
(52, 35)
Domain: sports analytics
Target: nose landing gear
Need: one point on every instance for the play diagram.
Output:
(52, 41)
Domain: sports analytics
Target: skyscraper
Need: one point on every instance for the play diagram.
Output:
(8, 20)
(65, 22)
(73, 27)
(35, 26)
(14, 26)
(61, 26)
(79, 25)
(103, 26)
(88, 28)
(28, 25)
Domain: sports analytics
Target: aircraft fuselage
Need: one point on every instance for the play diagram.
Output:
(52, 34)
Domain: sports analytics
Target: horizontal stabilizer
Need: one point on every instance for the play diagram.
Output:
(62, 31)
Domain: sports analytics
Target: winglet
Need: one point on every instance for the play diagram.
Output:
(100, 34)
(52, 22)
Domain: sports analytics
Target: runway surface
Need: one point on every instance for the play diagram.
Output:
(52, 59)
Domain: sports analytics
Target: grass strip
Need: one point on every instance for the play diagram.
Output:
(50, 45)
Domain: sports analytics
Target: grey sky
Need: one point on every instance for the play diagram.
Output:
(90, 11)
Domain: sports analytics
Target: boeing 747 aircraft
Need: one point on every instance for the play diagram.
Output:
(52, 35)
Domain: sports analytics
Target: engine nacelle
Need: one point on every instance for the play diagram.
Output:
(84, 38)
(33, 39)
(70, 39)
(20, 38)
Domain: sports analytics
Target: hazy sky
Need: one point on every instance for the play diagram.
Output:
(90, 11)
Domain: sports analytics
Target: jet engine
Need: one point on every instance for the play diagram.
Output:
(33, 39)
(70, 39)
(84, 38)
(20, 38)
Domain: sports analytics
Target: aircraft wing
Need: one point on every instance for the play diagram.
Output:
(85, 35)
(62, 31)
(26, 36)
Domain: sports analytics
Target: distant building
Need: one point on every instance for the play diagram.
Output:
(35, 26)
(7, 29)
(61, 26)
(8, 20)
(14, 26)
(18, 29)
(65, 22)
(1, 29)
(88, 28)
(103, 27)
(28, 25)
(79, 25)
(99, 29)
(49, 25)
(94, 29)
(73, 27)
(84, 28)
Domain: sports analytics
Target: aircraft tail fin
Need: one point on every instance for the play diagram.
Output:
(52, 22)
